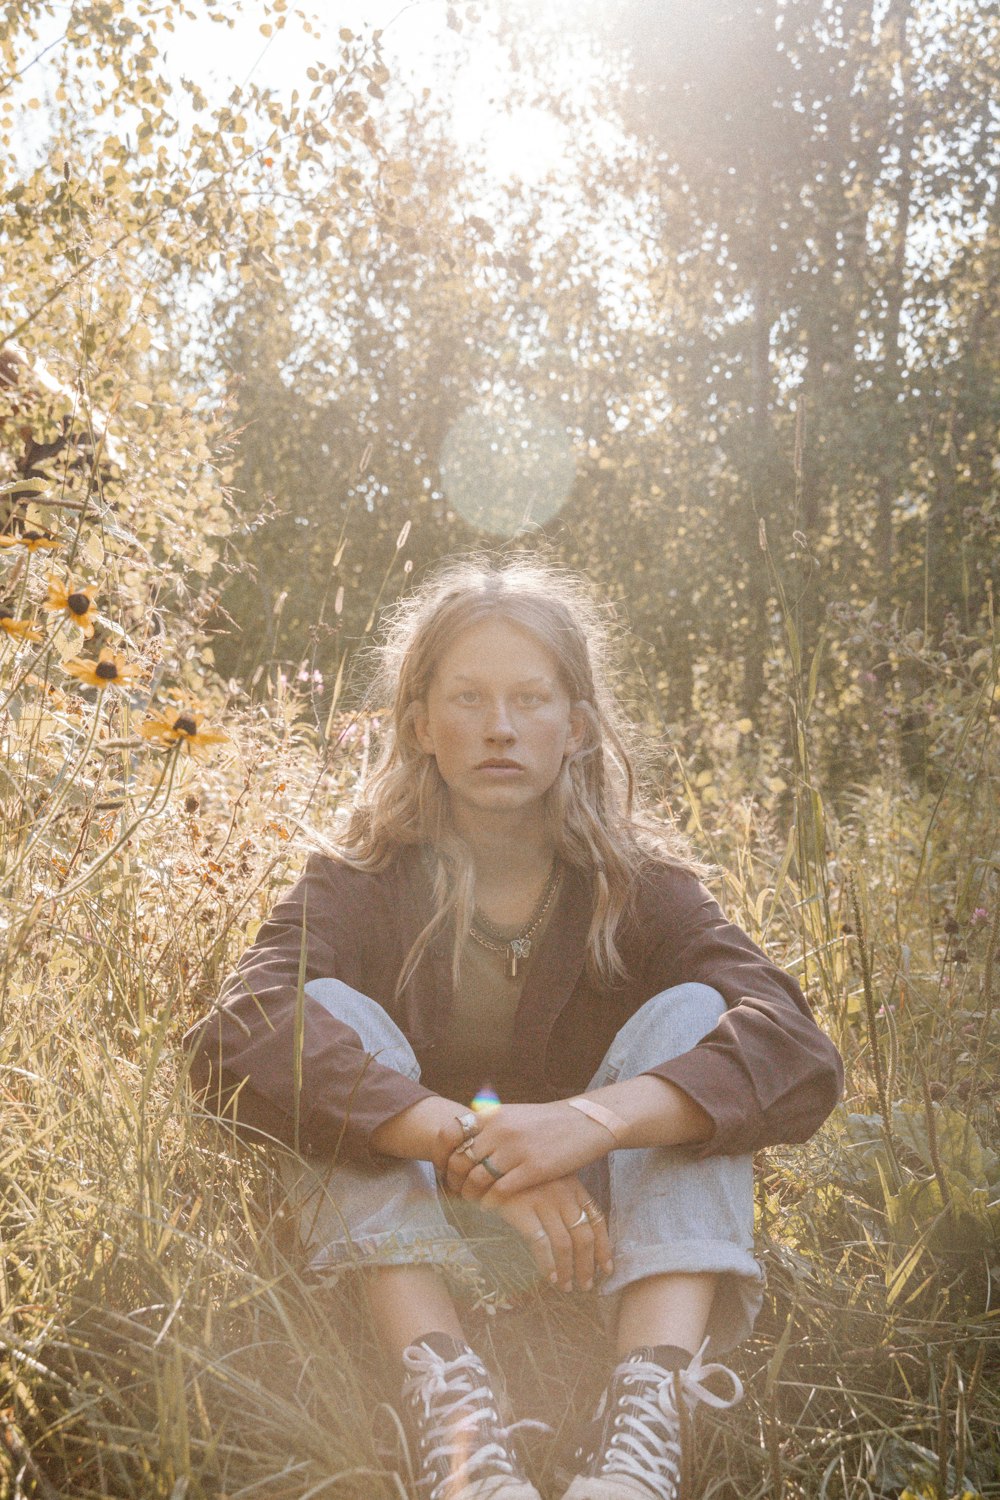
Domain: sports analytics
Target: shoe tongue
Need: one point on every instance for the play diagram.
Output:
(667, 1356)
(444, 1344)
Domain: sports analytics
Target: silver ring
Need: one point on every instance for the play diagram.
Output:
(493, 1170)
(467, 1147)
(469, 1124)
(583, 1219)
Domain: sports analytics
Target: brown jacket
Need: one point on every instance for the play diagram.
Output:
(765, 1074)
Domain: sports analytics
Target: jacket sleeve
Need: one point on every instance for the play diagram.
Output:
(271, 1058)
(766, 1073)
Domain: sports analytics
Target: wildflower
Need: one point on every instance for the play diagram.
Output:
(981, 914)
(109, 670)
(182, 726)
(33, 540)
(76, 602)
(21, 630)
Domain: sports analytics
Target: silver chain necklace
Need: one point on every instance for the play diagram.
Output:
(516, 950)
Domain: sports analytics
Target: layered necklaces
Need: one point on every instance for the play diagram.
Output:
(517, 949)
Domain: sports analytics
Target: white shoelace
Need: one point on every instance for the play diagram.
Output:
(638, 1449)
(456, 1399)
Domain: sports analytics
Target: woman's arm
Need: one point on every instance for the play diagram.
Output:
(533, 1144)
(271, 1058)
(766, 1073)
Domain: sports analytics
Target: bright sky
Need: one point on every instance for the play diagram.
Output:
(524, 142)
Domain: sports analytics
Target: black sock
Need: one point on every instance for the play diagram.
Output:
(667, 1356)
(444, 1344)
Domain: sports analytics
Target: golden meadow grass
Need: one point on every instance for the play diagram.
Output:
(157, 1334)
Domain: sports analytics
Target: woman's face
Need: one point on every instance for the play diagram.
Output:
(498, 721)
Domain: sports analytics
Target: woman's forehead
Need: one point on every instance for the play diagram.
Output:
(494, 645)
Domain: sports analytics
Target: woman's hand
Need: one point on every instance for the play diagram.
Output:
(564, 1230)
(527, 1144)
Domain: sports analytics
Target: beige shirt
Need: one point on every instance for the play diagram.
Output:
(476, 1047)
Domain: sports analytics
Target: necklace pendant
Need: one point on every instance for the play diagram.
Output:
(517, 949)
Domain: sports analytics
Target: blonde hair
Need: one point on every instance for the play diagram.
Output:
(596, 823)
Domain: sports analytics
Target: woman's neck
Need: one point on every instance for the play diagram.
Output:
(515, 857)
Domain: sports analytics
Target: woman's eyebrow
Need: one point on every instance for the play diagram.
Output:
(541, 679)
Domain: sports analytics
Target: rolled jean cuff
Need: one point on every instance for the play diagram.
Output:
(447, 1250)
(347, 1219)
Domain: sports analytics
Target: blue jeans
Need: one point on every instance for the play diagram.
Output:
(667, 1211)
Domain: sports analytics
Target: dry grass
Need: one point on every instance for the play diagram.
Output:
(157, 1334)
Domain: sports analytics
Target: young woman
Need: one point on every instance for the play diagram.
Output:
(498, 910)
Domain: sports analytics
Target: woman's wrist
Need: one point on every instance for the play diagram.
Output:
(650, 1111)
(425, 1131)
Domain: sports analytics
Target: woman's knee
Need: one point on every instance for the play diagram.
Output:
(668, 1024)
(377, 1031)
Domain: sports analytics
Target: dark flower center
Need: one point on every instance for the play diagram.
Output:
(78, 603)
(106, 670)
(184, 724)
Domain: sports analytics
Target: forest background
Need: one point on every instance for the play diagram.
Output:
(720, 329)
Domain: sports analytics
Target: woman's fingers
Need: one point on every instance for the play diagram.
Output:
(478, 1182)
(565, 1230)
(459, 1165)
(581, 1235)
(561, 1248)
(540, 1247)
(602, 1240)
(537, 1237)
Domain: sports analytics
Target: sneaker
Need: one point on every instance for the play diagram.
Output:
(632, 1449)
(462, 1451)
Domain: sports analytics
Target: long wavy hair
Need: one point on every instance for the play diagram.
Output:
(593, 808)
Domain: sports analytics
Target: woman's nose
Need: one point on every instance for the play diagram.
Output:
(500, 724)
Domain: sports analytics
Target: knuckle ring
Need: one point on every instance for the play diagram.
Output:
(593, 1214)
(493, 1170)
(466, 1148)
(583, 1219)
(469, 1124)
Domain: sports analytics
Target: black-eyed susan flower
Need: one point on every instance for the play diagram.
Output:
(182, 726)
(74, 600)
(35, 541)
(21, 630)
(109, 670)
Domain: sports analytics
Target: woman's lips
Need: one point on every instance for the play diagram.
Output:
(499, 765)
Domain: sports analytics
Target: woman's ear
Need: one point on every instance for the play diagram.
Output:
(421, 730)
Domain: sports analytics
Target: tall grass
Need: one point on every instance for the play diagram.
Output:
(158, 1334)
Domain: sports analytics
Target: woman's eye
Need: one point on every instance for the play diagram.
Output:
(529, 700)
(468, 696)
